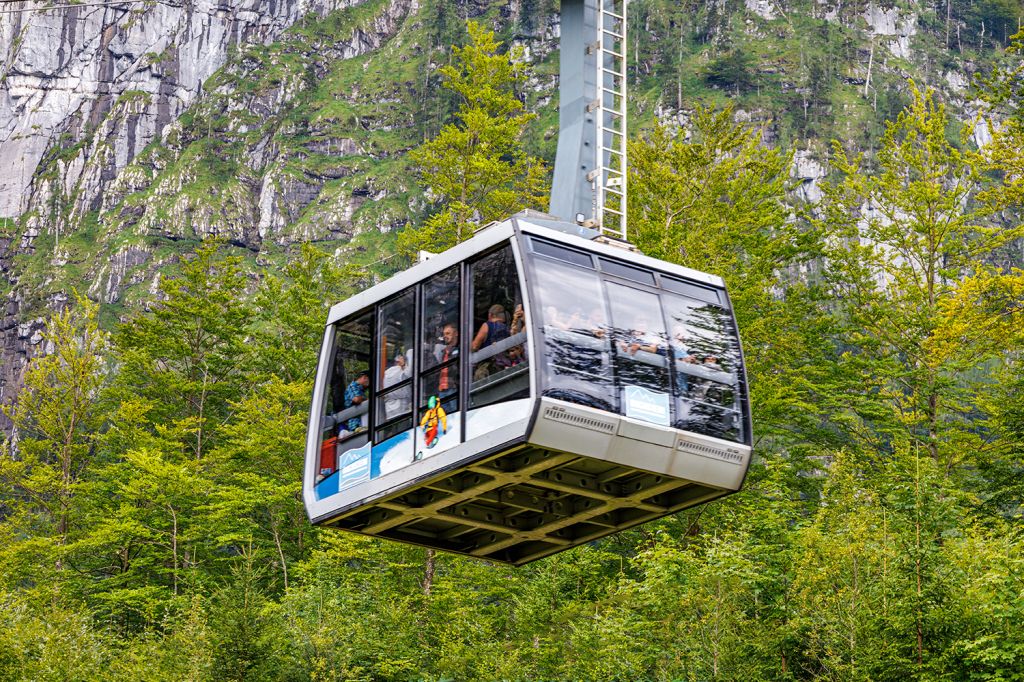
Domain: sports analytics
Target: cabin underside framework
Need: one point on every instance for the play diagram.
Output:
(524, 504)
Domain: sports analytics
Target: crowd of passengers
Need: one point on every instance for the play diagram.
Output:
(494, 329)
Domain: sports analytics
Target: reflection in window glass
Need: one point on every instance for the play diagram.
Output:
(440, 311)
(638, 333)
(576, 340)
(397, 333)
(347, 401)
(705, 368)
(498, 364)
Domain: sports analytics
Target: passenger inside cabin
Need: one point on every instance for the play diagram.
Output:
(447, 385)
(517, 354)
(494, 329)
(355, 394)
(400, 401)
(450, 349)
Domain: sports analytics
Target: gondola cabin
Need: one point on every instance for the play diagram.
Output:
(524, 392)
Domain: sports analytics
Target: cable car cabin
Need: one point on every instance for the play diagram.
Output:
(525, 392)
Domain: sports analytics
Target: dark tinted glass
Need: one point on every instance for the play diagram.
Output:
(628, 271)
(706, 372)
(562, 253)
(692, 290)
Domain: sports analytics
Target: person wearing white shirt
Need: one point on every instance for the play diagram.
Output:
(400, 401)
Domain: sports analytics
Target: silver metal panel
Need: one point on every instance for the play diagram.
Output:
(579, 429)
(719, 462)
(316, 412)
(571, 192)
(651, 433)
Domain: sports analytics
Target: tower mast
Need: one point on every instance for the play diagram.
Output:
(590, 165)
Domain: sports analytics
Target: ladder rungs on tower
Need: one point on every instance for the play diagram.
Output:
(610, 175)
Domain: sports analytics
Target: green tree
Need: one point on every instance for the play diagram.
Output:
(1003, 94)
(731, 70)
(57, 419)
(924, 322)
(476, 168)
(188, 355)
(908, 254)
(291, 309)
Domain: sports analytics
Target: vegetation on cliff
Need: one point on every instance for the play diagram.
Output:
(151, 528)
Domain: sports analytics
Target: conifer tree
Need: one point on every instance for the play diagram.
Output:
(57, 420)
(476, 168)
(187, 356)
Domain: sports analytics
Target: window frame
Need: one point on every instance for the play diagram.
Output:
(469, 325)
(710, 295)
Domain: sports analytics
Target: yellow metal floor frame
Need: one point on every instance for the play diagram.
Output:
(523, 504)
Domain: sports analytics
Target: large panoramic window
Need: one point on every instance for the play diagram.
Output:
(706, 373)
(641, 367)
(577, 339)
(499, 362)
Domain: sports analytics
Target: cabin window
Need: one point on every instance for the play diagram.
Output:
(562, 253)
(499, 366)
(706, 373)
(440, 310)
(577, 350)
(347, 406)
(614, 267)
(438, 405)
(351, 384)
(692, 290)
(395, 365)
(640, 349)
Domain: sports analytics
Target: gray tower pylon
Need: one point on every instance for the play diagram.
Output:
(590, 164)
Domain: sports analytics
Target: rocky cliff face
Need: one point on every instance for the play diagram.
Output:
(109, 80)
(128, 132)
(96, 162)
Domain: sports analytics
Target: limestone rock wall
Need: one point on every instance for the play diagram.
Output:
(128, 70)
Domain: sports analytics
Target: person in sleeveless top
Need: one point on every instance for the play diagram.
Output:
(493, 330)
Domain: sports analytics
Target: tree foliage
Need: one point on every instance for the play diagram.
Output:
(151, 525)
(476, 168)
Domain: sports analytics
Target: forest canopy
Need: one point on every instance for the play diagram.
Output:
(151, 524)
